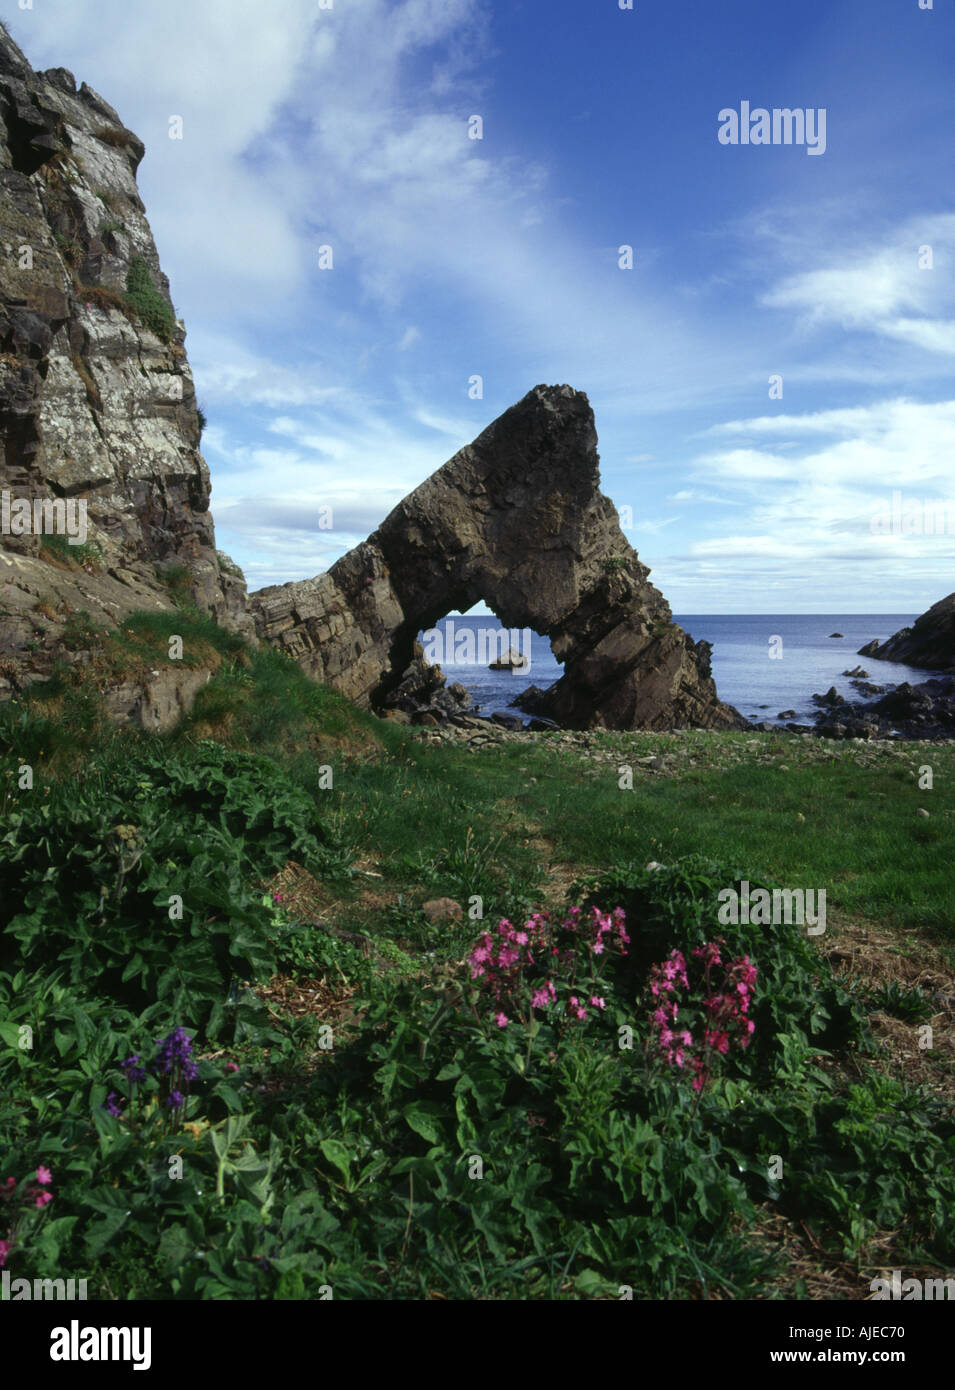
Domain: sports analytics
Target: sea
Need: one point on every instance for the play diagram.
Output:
(763, 664)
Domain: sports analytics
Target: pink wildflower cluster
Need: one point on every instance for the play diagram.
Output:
(664, 980)
(34, 1195)
(501, 960)
(725, 1009)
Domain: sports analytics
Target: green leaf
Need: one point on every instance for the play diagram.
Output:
(423, 1117)
(336, 1153)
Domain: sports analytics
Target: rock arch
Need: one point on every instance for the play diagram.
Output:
(515, 519)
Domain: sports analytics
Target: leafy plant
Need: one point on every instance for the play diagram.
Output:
(147, 303)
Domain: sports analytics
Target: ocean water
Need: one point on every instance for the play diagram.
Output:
(760, 686)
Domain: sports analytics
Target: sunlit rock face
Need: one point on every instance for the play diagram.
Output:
(97, 402)
(515, 519)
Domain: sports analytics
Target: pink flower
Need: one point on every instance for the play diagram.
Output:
(43, 1176)
(597, 1002)
(4, 1252)
(43, 1198)
(501, 1020)
(544, 996)
(232, 1066)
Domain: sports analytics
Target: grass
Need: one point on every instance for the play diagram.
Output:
(112, 135)
(56, 550)
(504, 829)
(146, 301)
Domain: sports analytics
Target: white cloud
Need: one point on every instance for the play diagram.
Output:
(882, 289)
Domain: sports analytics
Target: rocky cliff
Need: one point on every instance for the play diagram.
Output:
(97, 402)
(516, 519)
(929, 643)
(104, 495)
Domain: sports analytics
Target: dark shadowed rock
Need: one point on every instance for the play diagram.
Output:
(516, 519)
(508, 721)
(831, 697)
(929, 642)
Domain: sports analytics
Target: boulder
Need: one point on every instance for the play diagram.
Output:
(508, 721)
(512, 660)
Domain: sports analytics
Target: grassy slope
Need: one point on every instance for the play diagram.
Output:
(516, 824)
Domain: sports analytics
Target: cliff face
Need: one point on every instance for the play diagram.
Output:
(929, 643)
(97, 402)
(516, 519)
(100, 445)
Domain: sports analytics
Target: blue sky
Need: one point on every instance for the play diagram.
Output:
(499, 258)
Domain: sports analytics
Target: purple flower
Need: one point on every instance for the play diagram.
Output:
(111, 1107)
(176, 1099)
(134, 1072)
(176, 1051)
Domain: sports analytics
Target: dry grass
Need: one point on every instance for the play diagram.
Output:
(868, 956)
(119, 138)
(102, 297)
(84, 374)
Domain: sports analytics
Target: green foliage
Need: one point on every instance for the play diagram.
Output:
(430, 1151)
(87, 555)
(96, 871)
(146, 301)
(678, 906)
(910, 1005)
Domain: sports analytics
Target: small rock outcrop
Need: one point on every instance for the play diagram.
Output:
(97, 401)
(929, 643)
(512, 660)
(515, 519)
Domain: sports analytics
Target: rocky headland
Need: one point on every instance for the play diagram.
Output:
(98, 415)
(929, 642)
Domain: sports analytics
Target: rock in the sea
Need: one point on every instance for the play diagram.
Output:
(516, 519)
(835, 634)
(831, 697)
(929, 643)
(786, 714)
(512, 660)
